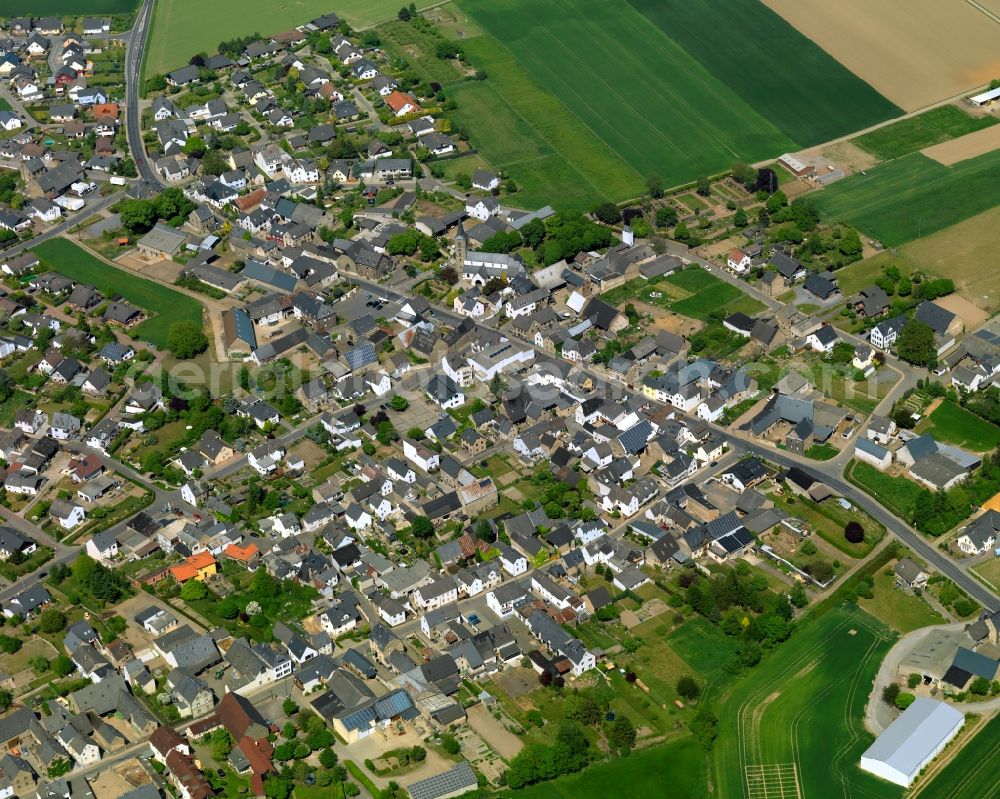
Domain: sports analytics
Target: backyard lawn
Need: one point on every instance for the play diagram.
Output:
(989, 572)
(828, 520)
(952, 424)
(900, 610)
(896, 493)
(76, 263)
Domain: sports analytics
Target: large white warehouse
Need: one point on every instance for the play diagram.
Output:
(912, 740)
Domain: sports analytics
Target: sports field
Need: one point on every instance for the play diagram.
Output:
(531, 134)
(793, 727)
(67, 7)
(973, 773)
(915, 52)
(70, 260)
(915, 133)
(784, 93)
(953, 424)
(182, 28)
(912, 196)
(636, 89)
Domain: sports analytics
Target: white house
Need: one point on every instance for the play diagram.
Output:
(872, 453)
(68, 514)
(738, 261)
(503, 599)
(823, 338)
(415, 452)
(512, 561)
(980, 536)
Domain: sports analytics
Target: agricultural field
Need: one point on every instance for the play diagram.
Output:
(62, 8)
(914, 53)
(798, 716)
(787, 97)
(638, 776)
(679, 121)
(966, 253)
(173, 38)
(952, 424)
(972, 773)
(915, 133)
(912, 197)
(70, 260)
(527, 132)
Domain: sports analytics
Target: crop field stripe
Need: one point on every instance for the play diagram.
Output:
(806, 93)
(972, 772)
(631, 85)
(584, 177)
(913, 196)
(750, 745)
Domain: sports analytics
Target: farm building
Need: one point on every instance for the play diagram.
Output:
(912, 741)
(985, 98)
(796, 166)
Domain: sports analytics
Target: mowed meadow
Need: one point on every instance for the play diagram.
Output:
(658, 87)
(182, 28)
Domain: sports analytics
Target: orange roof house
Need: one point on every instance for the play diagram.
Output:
(106, 110)
(197, 567)
(242, 554)
(402, 103)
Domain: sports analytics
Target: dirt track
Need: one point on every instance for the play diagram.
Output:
(915, 52)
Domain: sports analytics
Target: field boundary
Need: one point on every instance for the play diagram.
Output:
(971, 145)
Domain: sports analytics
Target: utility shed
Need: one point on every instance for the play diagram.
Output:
(912, 741)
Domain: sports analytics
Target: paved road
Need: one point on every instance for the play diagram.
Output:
(57, 230)
(133, 71)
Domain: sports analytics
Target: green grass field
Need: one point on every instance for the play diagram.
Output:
(709, 294)
(416, 47)
(693, 292)
(912, 134)
(898, 609)
(62, 8)
(182, 28)
(897, 493)
(912, 196)
(630, 84)
(705, 648)
(804, 706)
(973, 773)
(785, 93)
(522, 129)
(638, 776)
(953, 424)
(70, 260)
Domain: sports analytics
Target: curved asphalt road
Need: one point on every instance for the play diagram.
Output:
(133, 70)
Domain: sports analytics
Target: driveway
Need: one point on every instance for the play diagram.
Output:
(878, 715)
